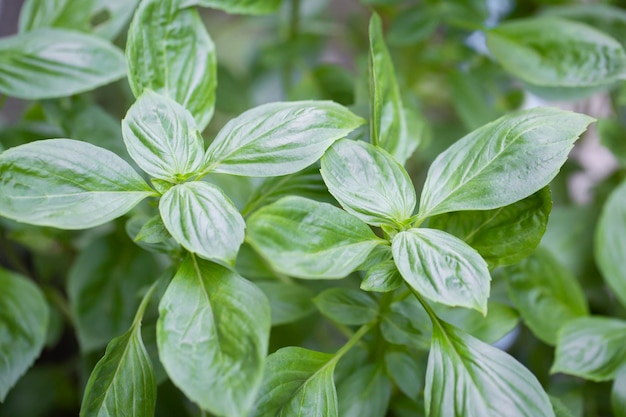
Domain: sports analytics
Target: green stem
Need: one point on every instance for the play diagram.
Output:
(353, 341)
(144, 303)
(431, 313)
(55, 298)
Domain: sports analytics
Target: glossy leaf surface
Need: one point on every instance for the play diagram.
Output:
(383, 277)
(69, 14)
(238, 6)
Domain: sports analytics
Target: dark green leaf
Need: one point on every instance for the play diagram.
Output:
(365, 393)
(560, 409)
(212, 334)
(502, 236)
(347, 306)
(618, 393)
(469, 378)
(407, 369)
(613, 136)
(68, 14)
(383, 277)
(161, 136)
(414, 24)
(67, 184)
(169, 51)
(152, 231)
(406, 323)
(203, 220)
(369, 183)
(591, 347)
(288, 302)
(307, 239)
(442, 268)
(24, 317)
(237, 6)
(297, 383)
(279, 138)
(501, 162)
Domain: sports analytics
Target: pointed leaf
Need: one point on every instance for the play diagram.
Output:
(368, 183)
(501, 162)
(237, 6)
(383, 277)
(288, 302)
(406, 368)
(69, 14)
(307, 239)
(279, 138)
(406, 323)
(67, 184)
(347, 306)
(442, 268)
(365, 393)
(212, 334)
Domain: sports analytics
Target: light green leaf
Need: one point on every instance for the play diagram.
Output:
(469, 378)
(170, 51)
(69, 14)
(541, 287)
(203, 220)
(414, 24)
(161, 136)
(591, 347)
(307, 239)
(365, 393)
(67, 184)
(548, 51)
(288, 302)
(501, 162)
(502, 236)
(406, 368)
(297, 383)
(618, 392)
(116, 13)
(347, 306)
(24, 316)
(560, 409)
(369, 183)
(279, 138)
(390, 123)
(610, 242)
(237, 6)
(383, 277)
(152, 231)
(442, 268)
(51, 63)
(212, 334)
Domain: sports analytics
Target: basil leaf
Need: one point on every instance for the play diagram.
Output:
(415, 24)
(51, 63)
(502, 236)
(442, 268)
(406, 368)
(365, 393)
(307, 239)
(203, 220)
(391, 128)
(152, 231)
(470, 378)
(347, 306)
(161, 136)
(541, 287)
(501, 162)
(237, 6)
(119, 13)
(579, 56)
(610, 242)
(383, 277)
(618, 392)
(288, 302)
(611, 134)
(212, 334)
(297, 382)
(406, 323)
(591, 347)
(67, 184)
(24, 315)
(279, 138)
(368, 183)
(70, 14)
(169, 51)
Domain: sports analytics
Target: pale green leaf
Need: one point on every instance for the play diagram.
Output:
(288, 302)
(369, 183)
(365, 393)
(203, 220)
(50, 63)
(347, 306)
(307, 239)
(161, 136)
(383, 277)
(170, 51)
(279, 138)
(212, 334)
(67, 184)
(618, 392)
(116, 14)
(442, 268)
(24, 317)
(502, 162)
(68, 14)
(253, 7)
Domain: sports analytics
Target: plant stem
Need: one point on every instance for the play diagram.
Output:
(353, 341)
(144, 303)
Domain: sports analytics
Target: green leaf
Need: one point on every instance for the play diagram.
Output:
(279, 138)
(469, 378)
(501, 162)
(383, 277)
(548, 51)
(502, 236)
(237, 6)
(369, 183)
(67, 184)
(51, 63)
(406, 323)
(610, 242)
(390, 123)
(406, 368)
(541, 287)
(297, 383)
(414, 24)
(152, 231)
(24, 315)
(169, 51)
(612, 134)
(365, 393)
(123, 382)
(212, 334)
(442, 268)
(591, 347)
(618, 393)
(288, 302)
(116, 13)
(347, 306)
(203, 220)
(307, 239)
(161, 136)
(560, 409)
(69, 14)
